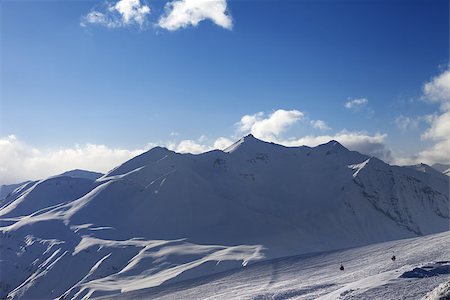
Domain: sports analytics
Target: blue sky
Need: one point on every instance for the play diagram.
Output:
(69, 80)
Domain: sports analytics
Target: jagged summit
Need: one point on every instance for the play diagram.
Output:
(250, 143)
(246, 141)
(333, 146)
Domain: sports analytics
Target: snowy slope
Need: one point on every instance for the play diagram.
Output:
(34, 196)
(443, 168)
(369, 274)
(7, 189)
(164, 217)
(31, 196)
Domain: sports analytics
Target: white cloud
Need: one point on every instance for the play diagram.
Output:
(189, 146)
(439, 132)
(184, 13)
(132, 11)
(20, 162)
(200, 145)
(247, 121)
(319, 124)
(438, 90)
(222, 143)
(120, 14)
(270, 127)
(437, 153)
(356, 103)
(440, 128)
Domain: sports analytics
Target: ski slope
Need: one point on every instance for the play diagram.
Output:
(369, 274)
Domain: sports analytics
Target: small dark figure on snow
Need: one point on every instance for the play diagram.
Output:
(341, 268)
(393, 258)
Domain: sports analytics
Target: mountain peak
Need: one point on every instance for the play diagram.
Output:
(247, 142)
(332, 146)
(249, 137)
(334, 143)
(251, 142)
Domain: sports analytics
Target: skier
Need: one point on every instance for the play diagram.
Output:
(342, 267)
(393, 258)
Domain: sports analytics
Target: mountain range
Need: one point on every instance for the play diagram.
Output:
(164, 217)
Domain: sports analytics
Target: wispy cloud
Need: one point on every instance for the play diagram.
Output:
(185, 13)
(408, 123)
(356, 103)
(405, 123)
(319, 124)
(122, 13)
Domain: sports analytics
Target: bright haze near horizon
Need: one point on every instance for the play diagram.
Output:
(90, 84)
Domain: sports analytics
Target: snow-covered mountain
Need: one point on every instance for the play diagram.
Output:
(163, 217)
